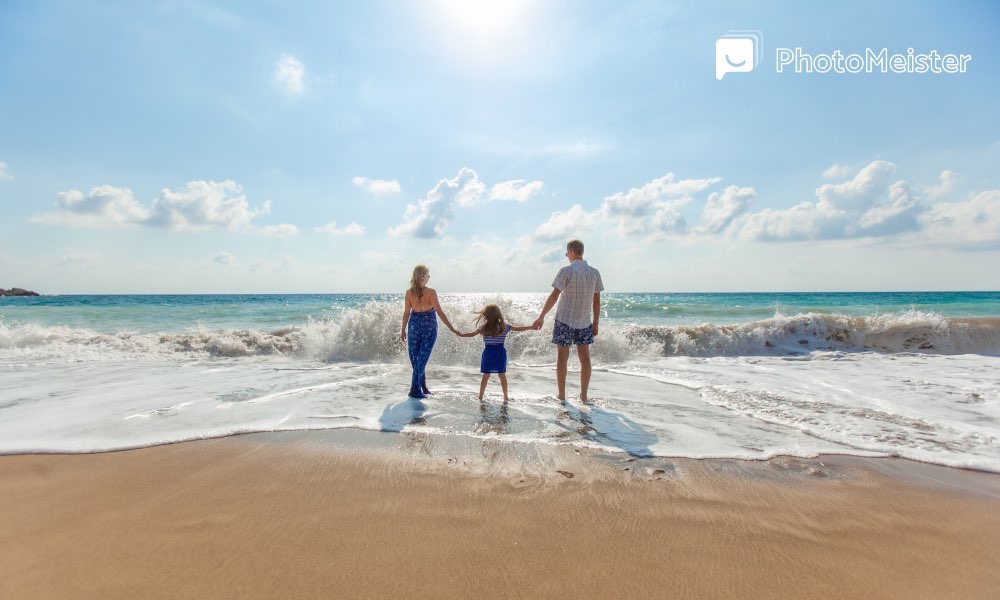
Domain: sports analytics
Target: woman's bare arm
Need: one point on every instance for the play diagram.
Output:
(440, 311)
(406, 315)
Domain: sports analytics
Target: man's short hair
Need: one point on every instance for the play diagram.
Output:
(575, 246)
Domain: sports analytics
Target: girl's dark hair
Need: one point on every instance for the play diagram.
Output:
(490, 320)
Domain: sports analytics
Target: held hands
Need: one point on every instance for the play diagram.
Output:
(538, 323)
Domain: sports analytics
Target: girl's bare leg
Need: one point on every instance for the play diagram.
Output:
(482, 385)
(503, 384)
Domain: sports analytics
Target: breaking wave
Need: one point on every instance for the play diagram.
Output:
(371, 335)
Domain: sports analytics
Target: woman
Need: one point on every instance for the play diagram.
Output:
(420, 314)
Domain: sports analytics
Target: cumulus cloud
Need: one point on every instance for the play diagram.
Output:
(377, 187)
(429, 218)
(4, 173)
(224, 258)
(331, 228)
(565, 225)
(944, 187)
(518, 190)
(866, 205)
(289, 74)
(104, 207)
(199, 205)
(837, 171)
(859, 193)
(655, 207)
(872, 205)
(804, 221)
(281, 230)
(973, 222)
(722, 209)
(897, 215)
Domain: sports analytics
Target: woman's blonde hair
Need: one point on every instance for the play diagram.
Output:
(490, 320)
(418, 274)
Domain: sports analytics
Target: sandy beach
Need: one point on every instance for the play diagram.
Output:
(372, 515)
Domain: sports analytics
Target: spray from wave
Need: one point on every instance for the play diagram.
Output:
(370, 334)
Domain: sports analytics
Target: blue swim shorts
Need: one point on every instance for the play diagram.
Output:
(566, 336)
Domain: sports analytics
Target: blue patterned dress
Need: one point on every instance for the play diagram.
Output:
(421, 333)
(495, 354)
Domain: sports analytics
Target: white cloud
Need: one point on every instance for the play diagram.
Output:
(866, 205)
(429, 218)
(870, 205)
(353, 229)
(199, 205)
(837, 171)
(722, 209)
(203, 205)
(565, 225)
(655, 207)
(861, 192)
(280, 230)
(4, 173)
(224, 258)
(104, 207)
(377, 187)
(944, 187)
(553, 256)
(974, 222)
(897, 215)
(518, 190)
(289, 74)
(803, 221)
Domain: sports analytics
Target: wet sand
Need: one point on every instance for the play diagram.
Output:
(358, 514)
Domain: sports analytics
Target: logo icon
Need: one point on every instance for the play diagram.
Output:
(737, 52)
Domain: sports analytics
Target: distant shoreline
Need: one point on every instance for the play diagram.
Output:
(18, 292)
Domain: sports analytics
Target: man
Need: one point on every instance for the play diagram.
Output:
(578, 290)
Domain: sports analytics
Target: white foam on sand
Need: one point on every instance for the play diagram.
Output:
(939, 409)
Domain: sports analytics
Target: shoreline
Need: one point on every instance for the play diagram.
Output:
(385, 515)
(389, 446)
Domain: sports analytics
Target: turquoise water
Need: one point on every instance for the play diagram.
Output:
(176, 313)
(746, 376)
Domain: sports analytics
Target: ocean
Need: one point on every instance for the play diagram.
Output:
(745, 376)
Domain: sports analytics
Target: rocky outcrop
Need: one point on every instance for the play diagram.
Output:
(17, 292)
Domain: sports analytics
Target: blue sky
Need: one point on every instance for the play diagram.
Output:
(239, 147)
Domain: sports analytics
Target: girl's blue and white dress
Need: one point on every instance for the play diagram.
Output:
(495, 354)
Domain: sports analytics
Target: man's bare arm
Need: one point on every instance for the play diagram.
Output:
(549, 303)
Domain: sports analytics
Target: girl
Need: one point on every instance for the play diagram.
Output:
(421, 310)
(494, 329)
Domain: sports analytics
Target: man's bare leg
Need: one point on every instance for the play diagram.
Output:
(583, 352)
(562, 361)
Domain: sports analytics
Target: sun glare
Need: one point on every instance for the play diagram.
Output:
(483, 20)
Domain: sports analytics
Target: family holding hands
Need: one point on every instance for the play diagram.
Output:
(577, 290)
